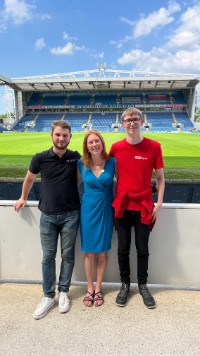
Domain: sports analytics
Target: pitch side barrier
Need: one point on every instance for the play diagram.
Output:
(174, 248)
(176, 191)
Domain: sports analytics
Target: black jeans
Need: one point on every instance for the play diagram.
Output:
(124, 225)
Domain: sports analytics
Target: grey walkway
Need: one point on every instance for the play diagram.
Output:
(173, 328)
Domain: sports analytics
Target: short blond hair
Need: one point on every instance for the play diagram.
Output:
(132, 111)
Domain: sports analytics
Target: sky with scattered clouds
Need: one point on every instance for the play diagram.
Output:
(39, 37)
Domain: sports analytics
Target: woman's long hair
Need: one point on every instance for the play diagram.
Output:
(87, 159)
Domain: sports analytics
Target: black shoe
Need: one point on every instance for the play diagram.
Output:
(147, 297)
(122, 296)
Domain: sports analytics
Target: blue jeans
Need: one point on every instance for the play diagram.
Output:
(51, 227)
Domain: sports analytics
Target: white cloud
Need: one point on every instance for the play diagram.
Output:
(69, 38)
(70, 48)
(145, 25)
(66, 50)
(3, 28)
(46, 17)
(160, 18)
(78, 48)
(159, 59)
(173, 6)
(40, 43)
(190, 18)
(17, 11)
(180, 52)
(188, 31)
(97, 55)
(127, 21)
(182, 39)
(120, 43)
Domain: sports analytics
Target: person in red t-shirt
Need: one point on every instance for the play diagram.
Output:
(136, 158)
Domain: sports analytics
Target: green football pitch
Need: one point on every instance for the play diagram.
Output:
(181, 151)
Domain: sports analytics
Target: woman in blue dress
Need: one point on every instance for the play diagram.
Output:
(96, 170)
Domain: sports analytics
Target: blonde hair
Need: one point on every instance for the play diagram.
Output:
(87, 159)
(132, 111)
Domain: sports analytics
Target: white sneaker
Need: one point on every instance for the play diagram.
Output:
(64, 303)
(43, 308)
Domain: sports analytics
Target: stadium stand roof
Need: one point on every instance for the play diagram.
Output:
(102, 79)
(4, 80)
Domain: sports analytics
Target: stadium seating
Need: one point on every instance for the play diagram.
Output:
(160, 122)
(99, 110)
(35, 99)
(103, 121)
(24, 123)
(77, 121)
(2, 128)
(182, 118)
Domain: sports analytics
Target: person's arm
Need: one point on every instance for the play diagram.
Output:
(116, 169)
(160, 185)
(26, 187)
(79, 177)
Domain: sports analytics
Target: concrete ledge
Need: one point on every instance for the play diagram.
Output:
(174, 247)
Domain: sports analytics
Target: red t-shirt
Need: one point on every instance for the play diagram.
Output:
(135, 164)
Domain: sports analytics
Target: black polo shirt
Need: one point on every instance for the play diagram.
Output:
(59, 192)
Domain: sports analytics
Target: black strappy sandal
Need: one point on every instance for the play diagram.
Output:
(98, 297)
(89, 297)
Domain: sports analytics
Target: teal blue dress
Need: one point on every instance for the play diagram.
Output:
(97, 218)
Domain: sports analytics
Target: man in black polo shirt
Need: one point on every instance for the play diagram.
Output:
(59, 206)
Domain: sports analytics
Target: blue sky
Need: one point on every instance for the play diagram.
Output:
(39, 37)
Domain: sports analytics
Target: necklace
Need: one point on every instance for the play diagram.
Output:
(97, 169)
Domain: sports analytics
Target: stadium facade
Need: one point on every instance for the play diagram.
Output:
(96, 99)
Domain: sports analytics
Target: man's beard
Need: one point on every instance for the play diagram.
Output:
(60, 146)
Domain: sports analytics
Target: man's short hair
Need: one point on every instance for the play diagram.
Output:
(132, 111)
(61, 123)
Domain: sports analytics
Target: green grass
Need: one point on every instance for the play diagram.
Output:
(181, 151)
